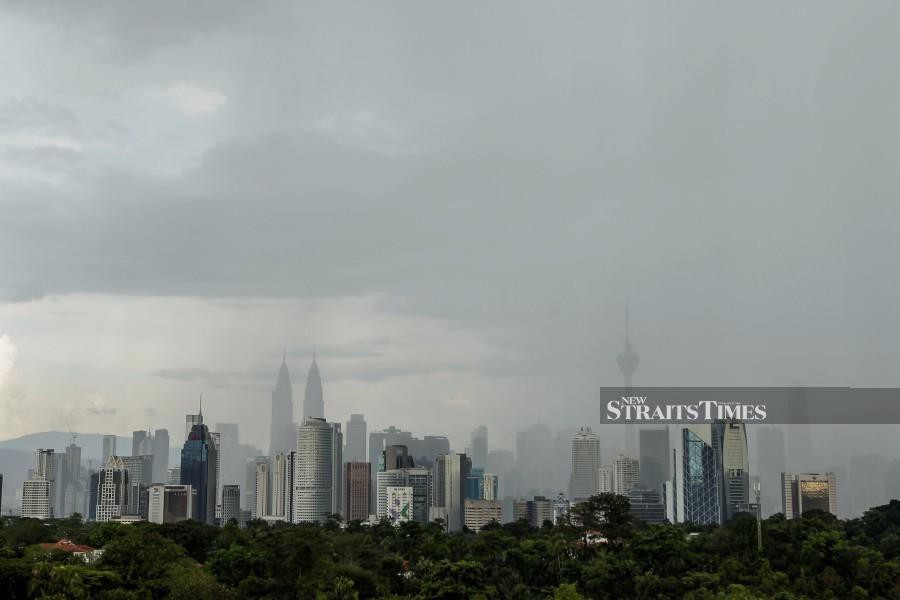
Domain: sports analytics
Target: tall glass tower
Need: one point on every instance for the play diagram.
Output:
(702, 489)
(198, 469)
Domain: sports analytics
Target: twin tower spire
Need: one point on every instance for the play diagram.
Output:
(282, 434)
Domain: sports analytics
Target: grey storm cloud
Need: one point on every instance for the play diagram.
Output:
(522, 169)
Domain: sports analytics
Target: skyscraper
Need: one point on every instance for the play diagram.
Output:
(72, 488)
(479, 447)
(627, 473)
(231, 503)
(160, 451)
(803, 492)
(261, 488)
(628, 362)
(605, 480)
(313, 403)
(700, 476)
(112, 490)
(109, 447)
(36, 499)
(735, 468)
(314, 471)
(170, 503)
(280, 485)
(654, 457)
(337, 472)
(282, 435)
(450, 474)
(585, 462)
(198, 469)
(141, 443)
(357, 481)
(355, 450)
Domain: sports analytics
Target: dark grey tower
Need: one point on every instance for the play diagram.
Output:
(282, 434)
(313, 404)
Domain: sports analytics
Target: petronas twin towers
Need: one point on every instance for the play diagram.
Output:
(283, 433)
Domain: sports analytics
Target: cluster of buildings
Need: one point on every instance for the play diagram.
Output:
(317, 469)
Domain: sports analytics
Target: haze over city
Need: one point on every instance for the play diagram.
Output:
(456, 227)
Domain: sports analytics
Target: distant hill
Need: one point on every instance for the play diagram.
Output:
(91, 443)
(14, 465)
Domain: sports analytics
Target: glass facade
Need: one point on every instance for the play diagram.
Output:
(702, 489)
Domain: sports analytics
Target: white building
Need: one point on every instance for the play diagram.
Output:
(36, 498)
(585, 464)
(605, 480)
(383, 481)
(170, 503)
(399, 504)
(313, 471)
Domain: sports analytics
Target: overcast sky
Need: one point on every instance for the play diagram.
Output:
(454, 202)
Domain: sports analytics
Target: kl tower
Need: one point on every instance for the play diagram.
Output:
(628, 363)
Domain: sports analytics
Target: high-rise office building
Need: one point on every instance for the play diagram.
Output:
(627, 474)
(173, 477)
(70, 481)
(605, 480)
(585, 462)
(93, 494)
(198, 469)
(654, 457)
(261, 487)
(383, 481)
(313, 401)
(282, 435)
(647, 505)
(355, 448)
(450, 474)
(36, 498)
(399, 501)
(536, 511)
(280, 485)
(700, 476)
(479, 447)
(357, 481)
(314, 471)
(479, 513)
(231, 503)
(170, 503)
(141, 443)
(395, 457)
(337, 471)
(109, 447)
(189, 422)
(160, 450)
(491, 486)
(735, 468)
(803, 492)
(112, 490)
